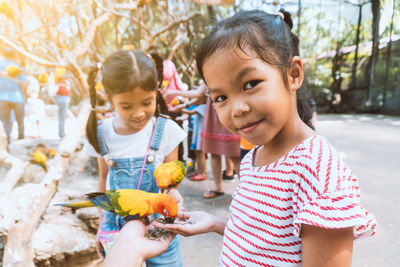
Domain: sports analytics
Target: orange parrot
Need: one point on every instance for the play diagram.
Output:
(130, 203)
(170, 174)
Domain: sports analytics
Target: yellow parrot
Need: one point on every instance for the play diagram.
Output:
(13, 71)
(39, 157)
(170, 174)
(43, 77)
(130, 203)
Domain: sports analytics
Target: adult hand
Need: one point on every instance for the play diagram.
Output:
(177, 108)
(182, 118)
(189, 111)
(133, 247)
(198, 222)
(169, 93)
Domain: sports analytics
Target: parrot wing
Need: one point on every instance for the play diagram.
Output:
(179, 172)
(101, 200)
(132, 202)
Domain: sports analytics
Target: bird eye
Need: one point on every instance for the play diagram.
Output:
(165, 212)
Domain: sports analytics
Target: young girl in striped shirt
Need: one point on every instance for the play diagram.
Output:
(297, 202)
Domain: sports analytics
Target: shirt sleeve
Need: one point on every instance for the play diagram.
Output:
(201, 109)
(328, 195)
(173, 135)
(89, 150)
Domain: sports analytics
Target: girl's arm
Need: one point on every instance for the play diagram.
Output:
(172, 156)
(199, 222)
(326, 247)
(193, 101)
(201, 91)
(103, 171)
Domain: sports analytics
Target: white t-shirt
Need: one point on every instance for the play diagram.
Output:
(33, 87)
(135, 145)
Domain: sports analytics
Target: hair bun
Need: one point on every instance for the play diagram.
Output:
(287, 17)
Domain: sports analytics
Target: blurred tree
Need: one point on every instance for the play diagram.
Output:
(74, 34)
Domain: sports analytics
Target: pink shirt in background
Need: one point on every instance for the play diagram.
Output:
(172, 79)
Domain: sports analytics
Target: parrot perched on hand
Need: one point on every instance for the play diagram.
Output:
(170, 174)
(130, 203)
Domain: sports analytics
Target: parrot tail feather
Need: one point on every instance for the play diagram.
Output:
(77, 205)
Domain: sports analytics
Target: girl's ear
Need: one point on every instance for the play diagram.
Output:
(296, 74)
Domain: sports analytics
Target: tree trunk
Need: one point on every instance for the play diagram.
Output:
(388, 55)
(354, 71)
(375, 6)
(299, 19)
(14, 174)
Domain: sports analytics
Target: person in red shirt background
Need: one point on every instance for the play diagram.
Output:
(62, 99)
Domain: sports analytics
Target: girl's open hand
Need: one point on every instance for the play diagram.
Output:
(132, 247)
(197, 222)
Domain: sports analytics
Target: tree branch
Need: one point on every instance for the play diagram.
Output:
(87, 40)
(178, 41)
(169, 26)
(134, 20)
(35, 30)
(29, 55)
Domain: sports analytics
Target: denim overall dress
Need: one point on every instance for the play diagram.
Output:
(124, 174)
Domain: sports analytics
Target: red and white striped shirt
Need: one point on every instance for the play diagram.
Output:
(309, 185)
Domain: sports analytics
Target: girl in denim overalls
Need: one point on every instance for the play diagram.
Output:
(132, 144)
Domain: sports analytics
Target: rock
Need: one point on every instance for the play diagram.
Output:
(60, 237)
(90, 216)
(33, 174)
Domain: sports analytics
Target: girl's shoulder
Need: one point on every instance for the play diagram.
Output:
(314, 157)
(106, 126)
(317, 149)
(170, 125)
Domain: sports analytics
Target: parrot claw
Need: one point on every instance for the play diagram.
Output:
(128, 218)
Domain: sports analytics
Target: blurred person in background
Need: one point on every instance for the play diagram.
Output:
(13, 87)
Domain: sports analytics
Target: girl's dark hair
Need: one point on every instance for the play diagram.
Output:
(267, 35)
(122, 72)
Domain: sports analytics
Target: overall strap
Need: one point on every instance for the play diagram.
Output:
(104, 152)
(158, 132)
(147, 152)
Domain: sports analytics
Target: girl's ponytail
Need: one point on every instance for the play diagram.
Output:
(91, 126)
(162, 107)
(158, 63)
(304, 99)
(287, 18)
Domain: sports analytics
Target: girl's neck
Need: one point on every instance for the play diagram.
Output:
(289, 137)
(122, 129)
